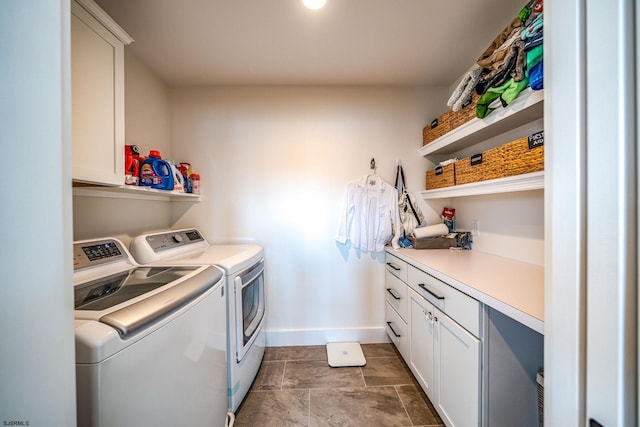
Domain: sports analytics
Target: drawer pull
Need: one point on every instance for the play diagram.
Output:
(394, 294)
(422, 285)
(393, 330)
(395, 267)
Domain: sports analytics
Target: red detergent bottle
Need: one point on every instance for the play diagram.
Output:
(155, 172)
(131, 164)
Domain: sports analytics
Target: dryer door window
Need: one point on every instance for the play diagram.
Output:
(249, 306)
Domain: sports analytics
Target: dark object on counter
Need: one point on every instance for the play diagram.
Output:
(460, 240)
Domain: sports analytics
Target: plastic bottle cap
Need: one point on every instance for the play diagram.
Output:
(195, 176)
(155, 153)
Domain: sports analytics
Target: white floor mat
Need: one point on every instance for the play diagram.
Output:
(341, 354)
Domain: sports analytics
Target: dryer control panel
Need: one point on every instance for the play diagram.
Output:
(173, 239)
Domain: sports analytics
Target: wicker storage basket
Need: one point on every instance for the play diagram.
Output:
(466, 113)
(524, 155)
(490, 166)
(442, 176)
(436, 128)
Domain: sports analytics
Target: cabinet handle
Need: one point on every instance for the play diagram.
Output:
(422, 285)
(393, 330)
(393, 294)
(392, 265)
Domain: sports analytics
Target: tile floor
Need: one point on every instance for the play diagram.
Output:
(296, 387)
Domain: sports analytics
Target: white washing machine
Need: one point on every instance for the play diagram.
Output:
(150, 340)
(244, 269)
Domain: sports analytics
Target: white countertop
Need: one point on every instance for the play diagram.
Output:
(514, 288)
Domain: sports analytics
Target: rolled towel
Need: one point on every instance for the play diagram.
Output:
(431, 231)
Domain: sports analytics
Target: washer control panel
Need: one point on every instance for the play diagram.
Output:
(96, 252)
(173, 239)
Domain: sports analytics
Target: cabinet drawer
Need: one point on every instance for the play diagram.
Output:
(397, 267)
(397, 330)
(396, 294)
(460, 307)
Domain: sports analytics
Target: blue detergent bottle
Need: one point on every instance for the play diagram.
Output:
(155, 172)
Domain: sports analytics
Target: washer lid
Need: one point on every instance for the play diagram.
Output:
(131, 300)
(105, 292)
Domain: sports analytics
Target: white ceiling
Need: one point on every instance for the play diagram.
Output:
(280, 42)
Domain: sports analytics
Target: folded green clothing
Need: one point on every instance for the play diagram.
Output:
(507, 92)
(534, 56)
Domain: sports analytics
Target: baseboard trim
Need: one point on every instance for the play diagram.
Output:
(294, 337)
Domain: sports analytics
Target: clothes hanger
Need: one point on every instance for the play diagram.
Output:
(372, 179)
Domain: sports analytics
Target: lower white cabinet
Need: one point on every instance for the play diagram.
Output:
(421, 359)
(446, 361)
(397, 330)
(397, 305)
(457, 370)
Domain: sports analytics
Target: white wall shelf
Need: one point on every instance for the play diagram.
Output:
(134, 192)
(528, 107)
(524, 182)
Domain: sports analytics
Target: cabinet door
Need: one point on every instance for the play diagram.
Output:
(97, 100)
(457, 370)
(421, 334)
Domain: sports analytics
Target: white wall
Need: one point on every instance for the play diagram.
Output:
(37, 370)
(274, 163)
(147, 124)
(147, 108)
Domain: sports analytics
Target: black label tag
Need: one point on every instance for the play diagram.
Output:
(536, 140)
(476, 159)
(467, 102)
(434, 123)
(439, 170)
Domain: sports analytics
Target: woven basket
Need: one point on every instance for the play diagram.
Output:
(466, 113)
(442, 176)
(524, 155)
(492, 167)
(436, 128)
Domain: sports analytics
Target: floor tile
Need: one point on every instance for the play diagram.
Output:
(418, 407)
(269, 376)
(385, 371)
(311, 352)
(318, 374)
(296, 387)
(286, 408)
(359, 406)
(378, 350)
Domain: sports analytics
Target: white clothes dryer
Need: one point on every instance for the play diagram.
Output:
(243, 265)
(150, 340)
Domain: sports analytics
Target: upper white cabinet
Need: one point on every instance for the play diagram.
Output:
(97, 94)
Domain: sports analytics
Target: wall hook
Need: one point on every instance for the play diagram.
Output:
(372, 164)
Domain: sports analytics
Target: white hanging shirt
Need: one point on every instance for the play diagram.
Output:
(369, 215)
